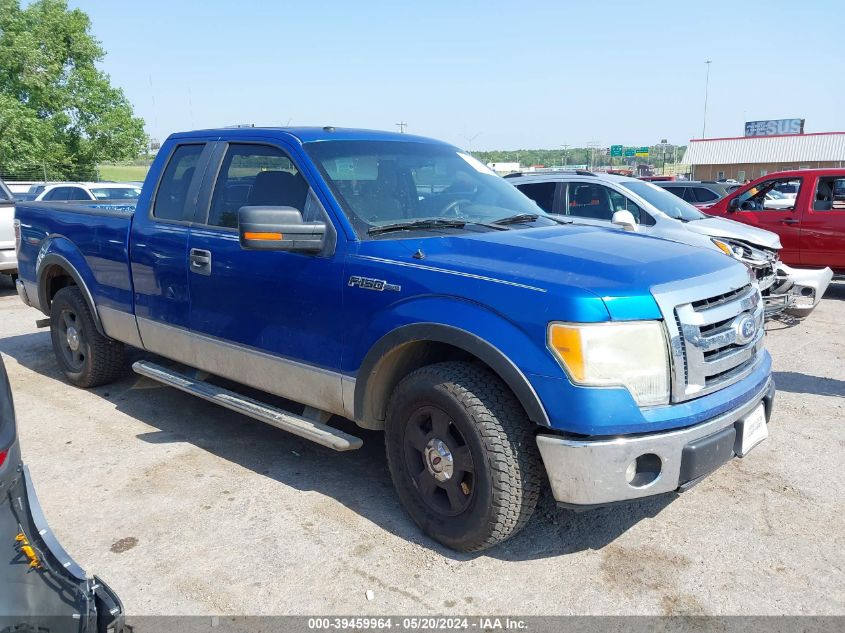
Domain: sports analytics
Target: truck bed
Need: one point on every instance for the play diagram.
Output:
(92, 236)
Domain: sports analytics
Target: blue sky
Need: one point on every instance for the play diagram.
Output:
(511, 74)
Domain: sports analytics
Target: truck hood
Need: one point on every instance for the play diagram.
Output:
(730, 229)
(565, 262)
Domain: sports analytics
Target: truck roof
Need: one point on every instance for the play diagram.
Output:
(309, 134)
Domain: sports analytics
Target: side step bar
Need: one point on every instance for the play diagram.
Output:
(281, 419)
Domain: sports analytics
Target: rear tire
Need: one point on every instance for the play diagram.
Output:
(462, 455)
(86, 357)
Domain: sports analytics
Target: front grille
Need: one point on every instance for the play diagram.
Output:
(711, 348)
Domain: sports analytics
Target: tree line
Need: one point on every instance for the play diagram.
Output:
(579, 156)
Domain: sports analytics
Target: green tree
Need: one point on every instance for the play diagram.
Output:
(57, 108)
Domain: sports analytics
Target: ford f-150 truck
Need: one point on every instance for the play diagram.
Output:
(396, 281)
(811, 228)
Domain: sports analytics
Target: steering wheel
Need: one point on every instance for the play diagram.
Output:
(453, 207)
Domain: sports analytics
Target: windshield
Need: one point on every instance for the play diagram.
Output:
(388, 183)
(5, 194)
(116, 193)
(664, 201)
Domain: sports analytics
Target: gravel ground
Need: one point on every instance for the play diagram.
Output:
(185, 508)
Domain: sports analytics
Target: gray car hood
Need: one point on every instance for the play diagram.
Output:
(721, 227)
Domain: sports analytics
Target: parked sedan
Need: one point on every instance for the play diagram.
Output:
(87, 191)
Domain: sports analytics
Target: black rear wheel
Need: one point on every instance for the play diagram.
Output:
(462, 455)
(86, 357)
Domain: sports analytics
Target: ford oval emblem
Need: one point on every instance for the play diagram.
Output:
(745, 328)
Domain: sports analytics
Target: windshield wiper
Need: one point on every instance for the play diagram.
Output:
(431, 223)
(519, 218)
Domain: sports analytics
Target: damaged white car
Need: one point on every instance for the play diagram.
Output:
(635, 205)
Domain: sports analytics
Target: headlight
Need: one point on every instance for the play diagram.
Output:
(733, 250)
(632, 354)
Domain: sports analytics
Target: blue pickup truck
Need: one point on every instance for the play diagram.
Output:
(395, 281)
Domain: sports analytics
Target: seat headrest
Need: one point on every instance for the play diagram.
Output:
(278, 188)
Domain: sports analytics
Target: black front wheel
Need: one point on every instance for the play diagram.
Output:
(86, 357)
(462, 455)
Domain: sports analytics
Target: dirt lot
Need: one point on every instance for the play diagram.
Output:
(185, 508)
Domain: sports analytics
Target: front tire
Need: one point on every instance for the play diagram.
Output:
(462, 455)
(86, 357)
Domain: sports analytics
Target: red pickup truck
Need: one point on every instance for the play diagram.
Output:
(806, 208)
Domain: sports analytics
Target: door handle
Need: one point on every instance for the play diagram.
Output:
(790, 221)
(200, 261)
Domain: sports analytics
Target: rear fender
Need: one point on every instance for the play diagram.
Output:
(60, 256)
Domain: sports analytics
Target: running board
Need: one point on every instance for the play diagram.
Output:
(281, 419)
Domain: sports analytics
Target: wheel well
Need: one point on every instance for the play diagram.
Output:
(55, 278)
(398, 363)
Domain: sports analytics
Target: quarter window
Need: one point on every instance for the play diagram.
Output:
(258, 175)
(173, 188)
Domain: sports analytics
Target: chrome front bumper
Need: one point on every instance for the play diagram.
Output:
(585, 472)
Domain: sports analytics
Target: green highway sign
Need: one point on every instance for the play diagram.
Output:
(616, 150)
(630, 151)
(642, 152)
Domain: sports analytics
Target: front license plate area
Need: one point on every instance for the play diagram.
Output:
(751, 430)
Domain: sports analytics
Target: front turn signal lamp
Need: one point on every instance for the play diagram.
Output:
(633, 355)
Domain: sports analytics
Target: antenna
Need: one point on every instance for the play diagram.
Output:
(402, 125)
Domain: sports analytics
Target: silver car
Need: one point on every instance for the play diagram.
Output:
(635, 205)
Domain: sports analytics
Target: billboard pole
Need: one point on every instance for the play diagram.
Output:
(706, 91)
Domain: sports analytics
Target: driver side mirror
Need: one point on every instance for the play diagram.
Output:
(625, 220)
(733, 205)
(265, 228)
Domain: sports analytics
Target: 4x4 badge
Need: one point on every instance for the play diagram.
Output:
(367, 283)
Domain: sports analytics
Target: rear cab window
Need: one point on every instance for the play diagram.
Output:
(830, 194)
(172, 194)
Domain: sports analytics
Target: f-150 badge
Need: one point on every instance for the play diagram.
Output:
(366, 283)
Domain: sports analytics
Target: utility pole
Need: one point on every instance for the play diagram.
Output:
(706, 92)
(592, 146)
(401, 125)
(564, 158)
(663, 144)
